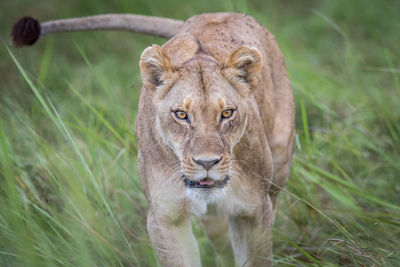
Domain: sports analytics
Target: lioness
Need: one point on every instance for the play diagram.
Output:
(215, 131)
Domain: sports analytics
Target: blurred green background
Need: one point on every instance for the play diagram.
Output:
(69, 189)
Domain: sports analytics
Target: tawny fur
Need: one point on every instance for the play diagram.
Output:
(215, 61)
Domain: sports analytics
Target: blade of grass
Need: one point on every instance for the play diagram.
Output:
(53, 114)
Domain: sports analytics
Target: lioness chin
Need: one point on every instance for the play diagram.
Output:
(215, 130)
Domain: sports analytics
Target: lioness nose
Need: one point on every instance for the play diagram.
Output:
(207, 164)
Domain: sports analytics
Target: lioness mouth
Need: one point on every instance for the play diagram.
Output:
(206, 183)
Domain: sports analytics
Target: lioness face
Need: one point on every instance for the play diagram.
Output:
(201, 112)
(201, 118)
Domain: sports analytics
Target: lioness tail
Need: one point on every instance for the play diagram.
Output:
(27, 30)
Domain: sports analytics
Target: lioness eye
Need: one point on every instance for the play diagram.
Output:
(181, 114)
(227, 113)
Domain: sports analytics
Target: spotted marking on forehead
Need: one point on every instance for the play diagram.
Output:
(221, 103)
(187, 102)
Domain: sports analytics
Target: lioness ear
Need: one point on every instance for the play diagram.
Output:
(243, 68)
(156, 67)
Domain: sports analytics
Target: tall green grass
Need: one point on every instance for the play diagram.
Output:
(69, 189)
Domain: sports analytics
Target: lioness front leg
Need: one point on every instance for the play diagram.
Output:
(173, 240)
(215, 225)
(251, 236)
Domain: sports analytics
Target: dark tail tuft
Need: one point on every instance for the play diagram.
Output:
(25, 31)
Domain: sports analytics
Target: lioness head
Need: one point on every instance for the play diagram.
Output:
(201, 105)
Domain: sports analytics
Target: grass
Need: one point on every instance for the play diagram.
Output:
(69, 189)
